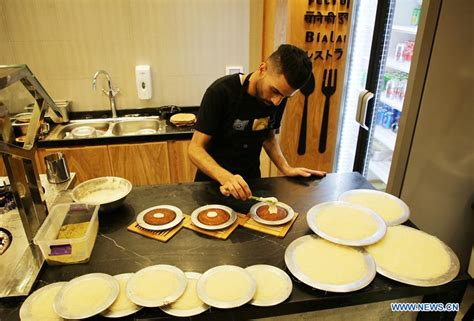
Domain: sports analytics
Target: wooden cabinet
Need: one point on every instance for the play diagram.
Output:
(182, 170)
(141, 163)
(3, 170)
(86, 162)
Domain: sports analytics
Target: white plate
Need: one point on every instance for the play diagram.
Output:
(278, 297)
(61, 308)
(121, 313)
(26, 312)
(289, 217)
(405, 210)
(158, 301)
(313, 213)
(353, 286)
(173, 223)
(189, 312)
(196, 222)
(225, 304)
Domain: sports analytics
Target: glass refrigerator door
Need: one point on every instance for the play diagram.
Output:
(388, 66)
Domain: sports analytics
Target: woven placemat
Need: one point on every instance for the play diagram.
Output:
(162, 236)
(219, 234)
(275, 230)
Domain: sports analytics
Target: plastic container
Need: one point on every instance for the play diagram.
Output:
(78, 224)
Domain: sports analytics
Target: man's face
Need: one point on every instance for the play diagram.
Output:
(271, 87)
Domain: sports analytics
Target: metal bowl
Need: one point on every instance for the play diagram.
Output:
(109, 192)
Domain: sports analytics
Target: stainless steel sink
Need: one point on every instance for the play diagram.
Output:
(107, 127)
(138, 127)
(62, 132)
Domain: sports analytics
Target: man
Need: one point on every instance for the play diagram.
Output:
(239, 115)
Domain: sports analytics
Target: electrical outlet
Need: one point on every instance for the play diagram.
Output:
(229, 70)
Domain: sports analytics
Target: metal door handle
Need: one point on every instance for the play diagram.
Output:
(361, 114)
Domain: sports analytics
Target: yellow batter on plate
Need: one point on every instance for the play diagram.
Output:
(154, 284)
(189, 300)
(42, 307)
(270, 286)
(381, 204)
(227, 286)
(330, 263)
(122, 303)
(86, 296)
(345, 222)
(410, 253)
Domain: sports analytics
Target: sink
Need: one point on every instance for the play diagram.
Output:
(63, 132)
(138, 127)
(110, 127)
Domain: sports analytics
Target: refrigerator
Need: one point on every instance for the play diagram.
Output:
(407, 120)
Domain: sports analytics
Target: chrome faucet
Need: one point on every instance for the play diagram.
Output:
(111, 92)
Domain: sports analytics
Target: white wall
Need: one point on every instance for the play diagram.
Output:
(188, 43)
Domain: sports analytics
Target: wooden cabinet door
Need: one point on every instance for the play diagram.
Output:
(3, 170)
(182, 170)
(86, 162)
(141, 164)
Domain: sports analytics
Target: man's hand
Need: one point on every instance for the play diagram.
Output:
(236, 186)
(302, 171)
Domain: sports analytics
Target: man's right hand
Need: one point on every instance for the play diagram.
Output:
(236, 186)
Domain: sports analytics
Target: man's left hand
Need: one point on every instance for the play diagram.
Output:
(302, 171)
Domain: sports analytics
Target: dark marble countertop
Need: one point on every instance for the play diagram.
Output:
(118, 251)
(171, 132)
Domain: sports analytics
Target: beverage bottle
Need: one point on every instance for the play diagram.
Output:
(415, 16)
(402, 87)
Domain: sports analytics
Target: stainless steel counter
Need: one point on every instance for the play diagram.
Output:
(14, 280)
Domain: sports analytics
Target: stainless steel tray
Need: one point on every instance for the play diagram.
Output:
(313, 213)
(173, 223)
(232, 218)
(224, 304)
(406, 210)
(289, 217)
(443, 279)
(356, 285)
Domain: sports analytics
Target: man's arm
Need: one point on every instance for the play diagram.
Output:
(273, 150)
(232, 184)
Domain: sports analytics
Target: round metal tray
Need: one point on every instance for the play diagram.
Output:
(313, 213)
(443, 279)
(189, 312)
(61, 307)
(232, 218)
(222, 304)
(356, 285)
(26, 312)
(125, 312)
(137, 299)
(276, 271)
(289, 217)
(173, 223)
(406, 210)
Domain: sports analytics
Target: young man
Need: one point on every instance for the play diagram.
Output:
(239, 115)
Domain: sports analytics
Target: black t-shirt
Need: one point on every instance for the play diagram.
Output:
(238, 124)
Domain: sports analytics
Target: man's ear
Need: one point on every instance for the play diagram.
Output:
(263, 67)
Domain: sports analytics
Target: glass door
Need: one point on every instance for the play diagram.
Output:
(391, 92)
(388, 66)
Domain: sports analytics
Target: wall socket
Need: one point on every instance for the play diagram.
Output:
(229, 70)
